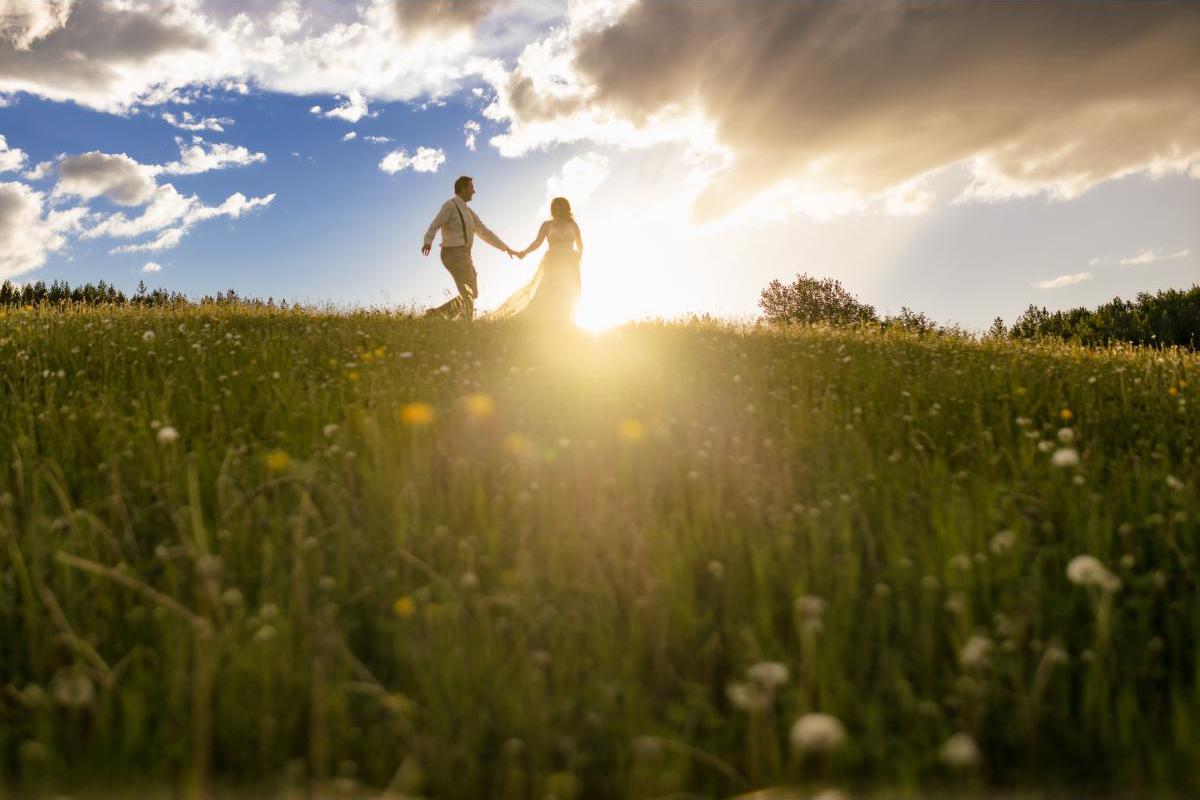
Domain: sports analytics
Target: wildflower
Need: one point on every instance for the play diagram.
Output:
(479, 405)
(1002, 542)
(1066, 435)
(148, 336)
(1065, 457)
(1065, 415)
(1088, 571)
(232, 597)
(960, 561)
(769, 675)
(817, 733)
(166, 435)
(269, 611)
(468, 580)
(975, 652)
(1174, 484)
(716, 569)
(277, 460)
(72, 688)
(748, 697)
(352, 376)
(631, 430)
(416, 414)
(960, 751)
(404, 607)
(329, 430)
(265, 634)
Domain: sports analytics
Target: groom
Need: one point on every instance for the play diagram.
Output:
(458, 225)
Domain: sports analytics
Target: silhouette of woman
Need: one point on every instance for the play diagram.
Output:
(554, 290)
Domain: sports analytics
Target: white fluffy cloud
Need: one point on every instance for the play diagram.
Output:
(26, 234)
(1143, 257)
(234, 206)
(471, 130)
(115, 176)
(1063, 280)
(152, 266)
(353, 108)
(187, 122)
(426, 159)
(113, 54)
(578, 179)
(349, 137)
(201, 156)
(11, 158)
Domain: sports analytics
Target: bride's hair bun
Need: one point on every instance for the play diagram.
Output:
(560, 210)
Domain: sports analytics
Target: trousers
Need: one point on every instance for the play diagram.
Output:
(457, 261)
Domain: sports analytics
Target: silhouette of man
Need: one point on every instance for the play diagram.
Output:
(459, 224)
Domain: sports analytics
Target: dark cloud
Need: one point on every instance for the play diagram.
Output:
(865, 95)
(426, 14)
(116, 176)
(83, 57)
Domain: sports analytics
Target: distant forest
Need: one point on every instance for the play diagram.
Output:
(60, 293)
(1170, 317)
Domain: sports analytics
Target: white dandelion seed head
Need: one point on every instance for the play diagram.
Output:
(817, 733)
(167, 435)
(960, 751)
(1089, 571)
(1065, 457)
(1002, 542)
(975, 652)
(1066, 435)
(72, 688)
(329, 430)
(148, 336)
(748, 697)
(770, 675)
(810, 607)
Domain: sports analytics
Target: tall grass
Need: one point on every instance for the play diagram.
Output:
(264, 548)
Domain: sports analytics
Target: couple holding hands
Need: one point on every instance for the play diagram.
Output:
(552, 293)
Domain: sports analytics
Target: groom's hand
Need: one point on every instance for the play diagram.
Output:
(510, 252)
(425, 249)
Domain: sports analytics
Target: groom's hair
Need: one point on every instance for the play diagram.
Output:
(461, 183)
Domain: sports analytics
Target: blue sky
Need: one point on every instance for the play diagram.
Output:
(695, 182)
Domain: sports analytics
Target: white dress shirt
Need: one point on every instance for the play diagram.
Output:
(451, 225)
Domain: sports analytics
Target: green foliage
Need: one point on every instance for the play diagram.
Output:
(813, 301)
(1170, 317)
(269, 548)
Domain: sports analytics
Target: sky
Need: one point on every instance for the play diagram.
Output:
(962, 159)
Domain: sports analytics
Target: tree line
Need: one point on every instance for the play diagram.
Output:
(1170, 317)
(60, 293)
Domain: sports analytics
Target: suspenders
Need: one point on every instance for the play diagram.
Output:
(466, 238)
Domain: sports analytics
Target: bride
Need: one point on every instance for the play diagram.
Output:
(552, 293)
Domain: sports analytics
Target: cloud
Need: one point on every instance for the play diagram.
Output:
(1151, 256)
(377, 139)
(152, 266)
(471, 129)
(187, 122)
(26, 235)
(578, 179)
(866, 96)
(115, 176)
(1063, 280)
(200, 156)
(40, 171)
(426, 159)
(352, 109)
(349, 137)
(11, 159)
(112, 55)
(234, 206)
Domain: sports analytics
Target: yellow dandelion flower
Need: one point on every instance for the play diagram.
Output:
(1172, 391)
(404, 607)
(277, 460)
(365, 356)
(1182, 383)
(379, 351)
(516, 444)
(352, 376)
(631, 430)
(479, 405)
(1066, 415)
(416, 414)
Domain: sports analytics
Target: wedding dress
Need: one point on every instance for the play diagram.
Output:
(551, 295)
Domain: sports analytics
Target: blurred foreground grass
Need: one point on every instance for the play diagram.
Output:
(374, 553)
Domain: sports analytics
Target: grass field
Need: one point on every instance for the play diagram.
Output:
(275, 549)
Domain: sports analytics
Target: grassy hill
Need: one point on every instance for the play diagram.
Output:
(258, 547)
